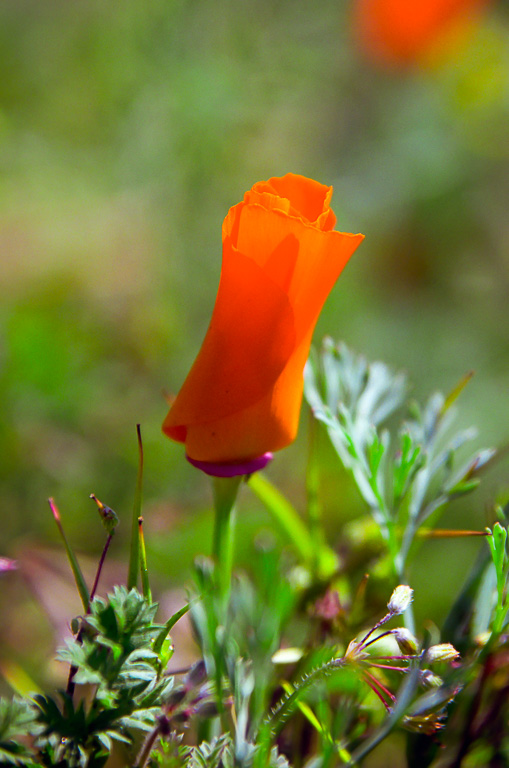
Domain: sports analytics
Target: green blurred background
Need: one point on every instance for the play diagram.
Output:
(127, 130)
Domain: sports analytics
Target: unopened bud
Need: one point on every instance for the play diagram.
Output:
(176, 697)
(206, 709)
(204, 567)
(164, 725)
(405, 640)
(108, 516)
(429, 679)
(76, 625)
(428, 724)
(196, 675)
(400, 599)
(442, 652)
(183, 717)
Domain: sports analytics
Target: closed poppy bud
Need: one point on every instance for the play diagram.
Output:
(417, 32)
(281, 258)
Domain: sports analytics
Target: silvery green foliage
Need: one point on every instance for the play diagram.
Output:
(220, 753)
(211, 754)
(406, 475)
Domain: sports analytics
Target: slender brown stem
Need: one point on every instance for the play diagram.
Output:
(373, 629)
(70, 680)
(364, 644)
(147, 747)
(100, 567)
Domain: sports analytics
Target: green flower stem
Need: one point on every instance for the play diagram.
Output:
(314, 509)
(397, 556)
(147, 594)
(134, 555)
(225, 494)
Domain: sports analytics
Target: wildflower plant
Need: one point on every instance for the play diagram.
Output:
(281, 658)
(296, 662)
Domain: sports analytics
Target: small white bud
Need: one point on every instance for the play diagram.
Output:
(405, 640)
(442, 652)
(400, 599)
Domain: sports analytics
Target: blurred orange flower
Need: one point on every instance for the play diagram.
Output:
(281, 258)
(404, 32)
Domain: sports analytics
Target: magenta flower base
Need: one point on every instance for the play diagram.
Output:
(232, 470)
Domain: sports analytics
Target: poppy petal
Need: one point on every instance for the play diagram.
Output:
(250, 337)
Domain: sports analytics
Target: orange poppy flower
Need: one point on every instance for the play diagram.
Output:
(413, 31)
(281, 258)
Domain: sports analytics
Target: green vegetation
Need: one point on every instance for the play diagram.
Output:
(126, 132)
(299, 662)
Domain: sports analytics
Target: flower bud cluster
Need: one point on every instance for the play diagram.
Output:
(410, 657)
